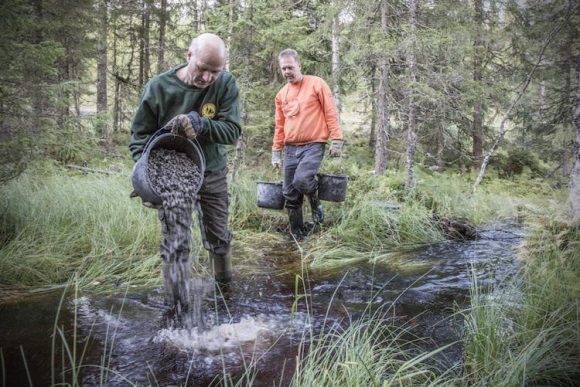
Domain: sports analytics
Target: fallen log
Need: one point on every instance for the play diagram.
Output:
(92, 170)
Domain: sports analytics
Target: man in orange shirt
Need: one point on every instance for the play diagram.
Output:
(306, 118)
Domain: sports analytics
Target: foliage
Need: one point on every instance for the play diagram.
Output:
(513, 162)
(46, 45)
(50, 63)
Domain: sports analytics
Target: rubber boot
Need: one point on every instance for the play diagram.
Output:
(222, 267)
(296, 223)
(316, 207)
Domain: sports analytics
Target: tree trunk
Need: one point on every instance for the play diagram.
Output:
(163, 16)
(116, 93)
(102, 58)
(374, 109)
(197, 10)
(412, 124)
(64, 69)
(383, 129)
(102, 67)
(477, 128)
(36, 86)
(440, 148)
(240, 141)
(336, 63)
(144, 64)
(231, 20)
(567, 70)
(574, 193)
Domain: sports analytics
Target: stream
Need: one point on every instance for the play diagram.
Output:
(132, 338)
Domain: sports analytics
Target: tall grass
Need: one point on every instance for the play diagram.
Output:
(530, 334)
(56, 224)
(60, 225)
(369, 352)
(379, 217)
(447, 196)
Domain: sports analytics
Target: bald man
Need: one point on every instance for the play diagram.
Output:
(199, 100)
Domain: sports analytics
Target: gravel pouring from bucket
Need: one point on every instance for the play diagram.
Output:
(141, 177)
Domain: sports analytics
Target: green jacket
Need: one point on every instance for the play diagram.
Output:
(166, 96)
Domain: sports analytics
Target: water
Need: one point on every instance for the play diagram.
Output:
(256, 320)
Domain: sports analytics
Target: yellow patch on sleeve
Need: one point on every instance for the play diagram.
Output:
(208, 110)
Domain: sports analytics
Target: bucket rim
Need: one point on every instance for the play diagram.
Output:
(158, 141)
(154, 141)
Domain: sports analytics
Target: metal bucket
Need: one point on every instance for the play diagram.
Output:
(162, 139)
(332, 188)
(270, 195)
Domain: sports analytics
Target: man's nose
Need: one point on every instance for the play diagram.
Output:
(207, 76)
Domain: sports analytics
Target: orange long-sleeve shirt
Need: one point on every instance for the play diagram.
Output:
(305, 113)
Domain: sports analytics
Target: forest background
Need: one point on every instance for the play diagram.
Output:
(430, 82)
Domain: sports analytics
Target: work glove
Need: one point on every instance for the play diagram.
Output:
(276, 159)
(335, 148)
(186, 125)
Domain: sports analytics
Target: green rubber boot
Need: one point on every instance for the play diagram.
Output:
(296, 223)
(222, 267)
(316, 207)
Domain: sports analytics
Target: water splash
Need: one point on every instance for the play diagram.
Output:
(256, 331)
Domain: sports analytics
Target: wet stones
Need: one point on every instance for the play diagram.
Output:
(176, 178)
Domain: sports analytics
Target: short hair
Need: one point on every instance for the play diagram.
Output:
(289, 53)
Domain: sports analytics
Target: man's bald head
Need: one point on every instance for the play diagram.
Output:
(210, 45)
(206, 58)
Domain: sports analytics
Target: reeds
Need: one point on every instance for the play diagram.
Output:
(528, 332)
(369, 352)
(55, 225)
(61, 225)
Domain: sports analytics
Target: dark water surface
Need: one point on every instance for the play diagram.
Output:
(258, 319)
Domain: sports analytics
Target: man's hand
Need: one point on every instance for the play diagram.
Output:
(276, 159)
(335, 148)
(187, 125)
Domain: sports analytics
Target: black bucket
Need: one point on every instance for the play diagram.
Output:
(332, 188)
(161, 139)
(270, 195)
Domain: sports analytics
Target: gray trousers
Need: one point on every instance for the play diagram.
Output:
(214, 204)
(301, 164)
